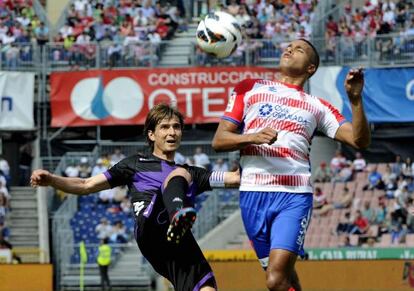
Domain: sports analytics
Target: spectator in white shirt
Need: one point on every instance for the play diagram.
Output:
(201, 159)
(99, 167)
(117, 156)
(359, 163)
(72, 171)
(220, 165)
(104, 229)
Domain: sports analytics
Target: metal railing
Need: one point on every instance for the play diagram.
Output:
(380, 51)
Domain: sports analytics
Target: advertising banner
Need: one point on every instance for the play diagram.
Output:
(124, 97)
(388, 94)
(16, 101)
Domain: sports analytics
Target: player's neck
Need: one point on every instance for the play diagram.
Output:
(168, 156)
(298, 82)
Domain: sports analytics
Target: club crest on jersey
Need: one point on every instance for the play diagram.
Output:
(265, 110)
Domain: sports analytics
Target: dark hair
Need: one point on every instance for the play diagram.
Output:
(105, 241)
(156, 115)
(315, 57)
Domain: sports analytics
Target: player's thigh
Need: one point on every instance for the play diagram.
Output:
(289, 227)
(253, 206)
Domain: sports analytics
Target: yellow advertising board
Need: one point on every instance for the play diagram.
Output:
(26, 277)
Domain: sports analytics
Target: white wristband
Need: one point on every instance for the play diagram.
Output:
(217, 179)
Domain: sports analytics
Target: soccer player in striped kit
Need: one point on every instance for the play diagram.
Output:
(272, 123)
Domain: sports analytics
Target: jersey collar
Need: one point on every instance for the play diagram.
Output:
(296, 87)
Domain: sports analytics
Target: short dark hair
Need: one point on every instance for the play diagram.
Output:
(158, 113)
(315, 57)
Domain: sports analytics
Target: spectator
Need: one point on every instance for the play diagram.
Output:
(368, 212)
(103, 229)
(5, 170)
(337, 162)
(25, 164)
(344, 201)
(407, 168)
(220, 165)
(99, 168)
(322, 173)
(72, 170)
(361, 224)
(345, 174)
(42, 34)
(398, 230)
(119, 234)
(106, 196)
(359, 164)
(120, 194)
(179, 158)
(396, 167)
(374, 180)
(346, 242)
(4, 209)
(126, 205)
(12, 56)
(117, 156)
(345, 224)
(319, 199)
(85, 169)
(4, 230)
(201, 159)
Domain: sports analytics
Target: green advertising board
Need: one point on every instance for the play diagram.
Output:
(360, 253)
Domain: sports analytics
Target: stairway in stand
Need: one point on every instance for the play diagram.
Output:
(179, 51)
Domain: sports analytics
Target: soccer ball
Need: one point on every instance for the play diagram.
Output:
(219, 34)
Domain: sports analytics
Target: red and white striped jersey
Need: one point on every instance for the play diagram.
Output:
(283, 166)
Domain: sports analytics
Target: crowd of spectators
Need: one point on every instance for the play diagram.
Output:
(390, 21)
(20, 28)
(267, 26)
(128, 32)
(380, 201)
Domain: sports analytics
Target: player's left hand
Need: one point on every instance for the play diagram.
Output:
(354, 83)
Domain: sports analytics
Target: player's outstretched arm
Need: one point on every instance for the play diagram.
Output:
(227, 137)
(77, 186)
(358, 133)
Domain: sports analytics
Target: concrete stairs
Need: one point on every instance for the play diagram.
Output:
(180, 50)
(129, 272)
(23, 223)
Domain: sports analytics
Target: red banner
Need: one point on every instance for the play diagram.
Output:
(124, 97)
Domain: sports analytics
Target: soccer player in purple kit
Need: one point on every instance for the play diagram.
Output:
(272, 124)
(162, 196)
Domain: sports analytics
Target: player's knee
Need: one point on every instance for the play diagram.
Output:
(277, 281)
(178, 172)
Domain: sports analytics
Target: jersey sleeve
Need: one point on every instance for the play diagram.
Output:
(201, 178)
(331, 119)
(235, 107)
(121, 173)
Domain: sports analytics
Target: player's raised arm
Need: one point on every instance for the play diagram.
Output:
(77, 186)
(358, 133)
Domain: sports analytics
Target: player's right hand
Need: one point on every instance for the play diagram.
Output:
(266, 135)
(40, 178)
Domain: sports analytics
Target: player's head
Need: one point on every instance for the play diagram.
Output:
(163, 128)
(300, 57)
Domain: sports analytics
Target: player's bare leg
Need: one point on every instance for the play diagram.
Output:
(207, 288)
(280, 273)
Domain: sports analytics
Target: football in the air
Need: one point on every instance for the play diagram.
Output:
(219, 34)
